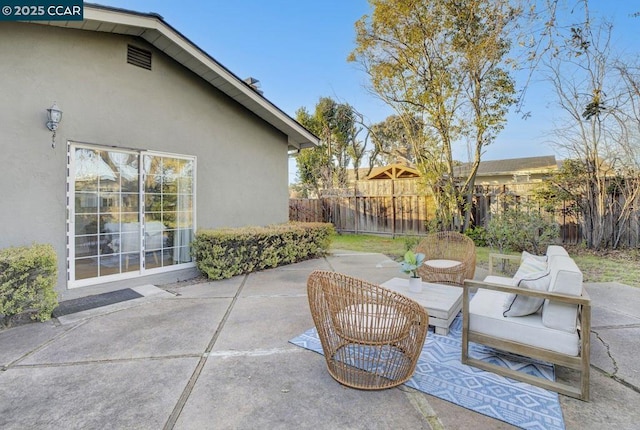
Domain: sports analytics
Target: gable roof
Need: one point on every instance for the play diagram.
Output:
(152, 28)
(510, 166)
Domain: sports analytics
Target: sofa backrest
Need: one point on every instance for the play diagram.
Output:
(566, 278)
(556, 250)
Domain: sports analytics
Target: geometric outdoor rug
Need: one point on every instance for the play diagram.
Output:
(441, 374)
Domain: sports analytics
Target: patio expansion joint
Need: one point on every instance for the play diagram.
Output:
(16, 362)
(103, 361)
(177, 410)
(254, 352)
(616, 326)
(328, 263)
(275, 296)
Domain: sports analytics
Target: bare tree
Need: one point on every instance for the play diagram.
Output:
(596, 93)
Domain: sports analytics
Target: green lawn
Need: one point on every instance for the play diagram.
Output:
(611, 266)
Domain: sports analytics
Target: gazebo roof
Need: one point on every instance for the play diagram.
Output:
(393, 171)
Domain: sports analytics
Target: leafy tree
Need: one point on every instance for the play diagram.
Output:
(443, 62)
(325, 166)
(392, 140)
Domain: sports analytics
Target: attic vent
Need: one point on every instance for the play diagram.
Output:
(139, 57)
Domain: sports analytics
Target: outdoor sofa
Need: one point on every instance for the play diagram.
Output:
(542, 312)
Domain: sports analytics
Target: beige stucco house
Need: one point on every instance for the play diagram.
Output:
(156, 140)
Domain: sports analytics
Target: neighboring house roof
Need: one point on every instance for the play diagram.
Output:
(510, 166)
(152, 28)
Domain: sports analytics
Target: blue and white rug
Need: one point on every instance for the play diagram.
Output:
(441, 374)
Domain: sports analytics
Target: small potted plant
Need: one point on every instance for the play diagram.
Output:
(410, 266)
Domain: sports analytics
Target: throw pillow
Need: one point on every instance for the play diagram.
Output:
(529, 266)
(526, 254)
(517, 305)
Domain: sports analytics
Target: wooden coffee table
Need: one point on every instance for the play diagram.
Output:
(442, 302)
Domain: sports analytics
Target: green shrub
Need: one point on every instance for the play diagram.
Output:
(478, 234)
(28, 278)
(411, 242)
(519, 229)
(223, 253)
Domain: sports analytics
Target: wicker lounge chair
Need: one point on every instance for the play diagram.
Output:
(371, 337)
(450, 258)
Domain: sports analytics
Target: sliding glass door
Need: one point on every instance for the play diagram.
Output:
(168, 209)
(129, 212)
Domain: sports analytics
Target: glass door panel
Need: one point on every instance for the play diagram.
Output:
(168, 185)
(98, 180)
(121, 224)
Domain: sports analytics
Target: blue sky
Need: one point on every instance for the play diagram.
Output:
(297, 49)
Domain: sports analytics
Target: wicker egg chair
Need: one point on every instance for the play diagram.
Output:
(450, 258)
(371, 336)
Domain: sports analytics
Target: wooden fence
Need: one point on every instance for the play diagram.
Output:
(306, 210)
(392, 215)
(395, 215)
(384, 206)
(406, 213)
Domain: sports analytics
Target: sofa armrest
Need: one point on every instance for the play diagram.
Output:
(495, 257)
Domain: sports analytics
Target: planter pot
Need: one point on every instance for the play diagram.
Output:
(415, 285)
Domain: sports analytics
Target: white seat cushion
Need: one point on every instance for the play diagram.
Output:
(500, 280)
(442, 264)
(371, 322)
(485, 317)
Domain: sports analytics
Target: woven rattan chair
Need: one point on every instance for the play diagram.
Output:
(371, 336)
(450, 258)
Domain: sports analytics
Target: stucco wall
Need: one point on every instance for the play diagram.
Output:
(241, 160)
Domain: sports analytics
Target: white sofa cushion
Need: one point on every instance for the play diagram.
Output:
(566, 278)
(517, 305)
(485, 317)
(526, 254)
(556, 250)
(528, 266)
(500, 280)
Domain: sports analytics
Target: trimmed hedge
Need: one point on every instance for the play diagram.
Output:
(223, 253)
(28, 277)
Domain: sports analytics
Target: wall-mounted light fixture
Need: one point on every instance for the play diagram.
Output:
(54, 115)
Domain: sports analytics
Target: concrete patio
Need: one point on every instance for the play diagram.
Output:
(216, 355)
